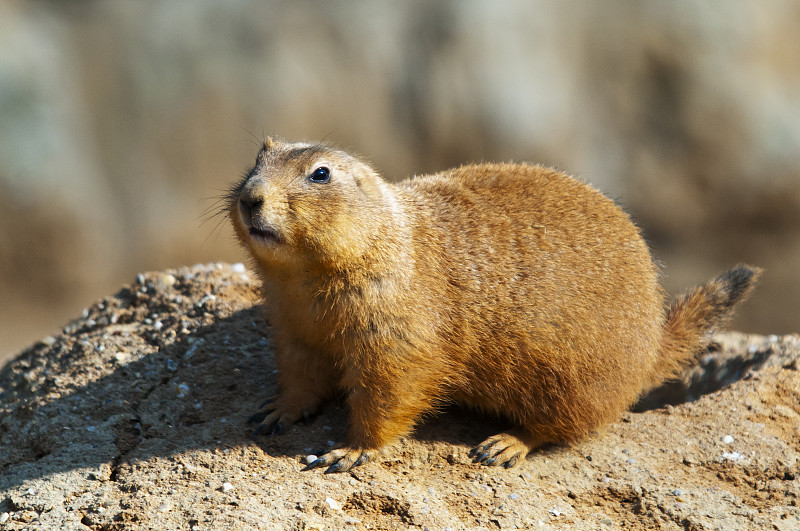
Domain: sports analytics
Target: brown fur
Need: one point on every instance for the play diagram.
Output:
(512, 288)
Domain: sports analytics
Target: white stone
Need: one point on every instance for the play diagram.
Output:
(333, 504)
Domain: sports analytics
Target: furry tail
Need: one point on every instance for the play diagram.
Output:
(696, 313)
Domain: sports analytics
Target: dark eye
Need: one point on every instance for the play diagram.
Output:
(320, 175)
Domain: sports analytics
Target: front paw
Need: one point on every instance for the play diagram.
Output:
(272, 419)
(341, 459)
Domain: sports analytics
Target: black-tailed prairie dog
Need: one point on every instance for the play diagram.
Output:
(510, 288)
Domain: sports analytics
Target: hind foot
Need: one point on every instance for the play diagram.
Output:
(342, 459)
(504, 449)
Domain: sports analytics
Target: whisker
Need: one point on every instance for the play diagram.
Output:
(216, 231)
(220, 206)
(253, 137)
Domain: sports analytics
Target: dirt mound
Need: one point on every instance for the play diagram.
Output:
(134, 417)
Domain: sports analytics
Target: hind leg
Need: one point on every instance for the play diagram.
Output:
(505, 449)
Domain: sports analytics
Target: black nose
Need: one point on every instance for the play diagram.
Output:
(249, 203)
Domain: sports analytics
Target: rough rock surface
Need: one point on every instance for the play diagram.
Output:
(134, 417)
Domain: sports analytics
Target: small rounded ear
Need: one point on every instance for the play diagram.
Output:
(368, 187)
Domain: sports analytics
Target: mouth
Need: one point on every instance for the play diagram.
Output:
(264, 236)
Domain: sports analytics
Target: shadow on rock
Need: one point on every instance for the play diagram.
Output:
(174, 363)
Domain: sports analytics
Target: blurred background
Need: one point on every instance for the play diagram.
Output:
(121, 122)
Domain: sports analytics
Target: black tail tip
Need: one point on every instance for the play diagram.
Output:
(739, 281)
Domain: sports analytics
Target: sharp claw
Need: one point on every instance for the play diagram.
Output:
(511, 462)
(266, 402)
(363, 458)
(489, 462)
(481, 457)
(264, 428)
(314, 464)
(256, 417)
(481, 450)
(277, 429)
(333, 468)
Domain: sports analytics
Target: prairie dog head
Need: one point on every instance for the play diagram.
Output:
(306, 204)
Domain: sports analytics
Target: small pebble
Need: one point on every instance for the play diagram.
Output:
(331, 443)
(164, 282)
(238, 267)
(164, 507)
(207, 298)
(183, 390)
(47, 340)
(727, 439)
(157, 325)
(227, 487)
(172, 365)
(4, 517)
(310, 458)
(677, 492)
(195, 345)
(333, 504)
(733, 456)
(555, 512)
(513, 496)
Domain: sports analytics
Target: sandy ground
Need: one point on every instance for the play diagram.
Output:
(134, 418)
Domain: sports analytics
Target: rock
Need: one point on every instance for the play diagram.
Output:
(98, 428)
